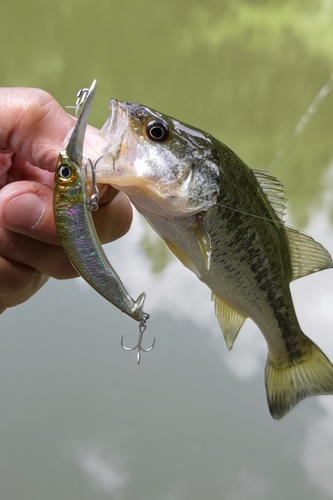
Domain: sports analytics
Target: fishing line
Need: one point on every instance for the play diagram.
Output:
(312, 109)
(281, 222)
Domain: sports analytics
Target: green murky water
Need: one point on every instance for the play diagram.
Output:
(78, 418)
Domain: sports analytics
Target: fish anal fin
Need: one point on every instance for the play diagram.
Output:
(230, 320)
(182, 256)
(203, 240)
(310, 374)
(306, 254)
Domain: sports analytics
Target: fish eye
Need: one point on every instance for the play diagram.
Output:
(157, 130)
(65, 172)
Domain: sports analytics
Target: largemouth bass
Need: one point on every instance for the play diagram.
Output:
(224, 221)
(75, 226)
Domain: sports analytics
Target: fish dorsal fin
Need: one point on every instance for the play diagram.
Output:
(230, 320)
(307, 255)
(273, 189)
(203, 240)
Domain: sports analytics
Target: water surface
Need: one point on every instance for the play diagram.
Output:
(78, 418)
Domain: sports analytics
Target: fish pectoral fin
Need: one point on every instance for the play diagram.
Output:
(230, 320)
(308, 374)
(203, 240)
(183, 257)
(306, 255)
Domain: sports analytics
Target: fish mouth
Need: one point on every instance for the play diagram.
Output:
(120, 164)
(129, 163)
(113, 130)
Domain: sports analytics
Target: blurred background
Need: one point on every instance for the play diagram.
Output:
(78, 418)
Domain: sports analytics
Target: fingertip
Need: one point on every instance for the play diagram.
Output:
(26, 207)
(118, 213)
(125, 214)
(24, 211)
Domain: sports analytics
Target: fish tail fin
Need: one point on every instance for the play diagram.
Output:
(308, 374)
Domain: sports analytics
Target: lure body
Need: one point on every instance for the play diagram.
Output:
(75, 226)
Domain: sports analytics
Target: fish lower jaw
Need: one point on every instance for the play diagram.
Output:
(109, 177)
(147, 195)
(142, 192)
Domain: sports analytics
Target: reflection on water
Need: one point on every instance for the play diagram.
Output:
(78, 417)
(157, 253)
(318, 450)
(103, 471)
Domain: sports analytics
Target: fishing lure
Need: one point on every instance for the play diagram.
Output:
(72, 212)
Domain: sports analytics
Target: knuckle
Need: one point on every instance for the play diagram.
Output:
(9, 243)
(18, 282)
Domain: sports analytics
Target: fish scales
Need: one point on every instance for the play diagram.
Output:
(224, 221)
(245, 266)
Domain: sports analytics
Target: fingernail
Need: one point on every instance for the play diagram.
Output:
(25, 210)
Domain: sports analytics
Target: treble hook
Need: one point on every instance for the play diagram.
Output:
(142, 328)
(94, 197)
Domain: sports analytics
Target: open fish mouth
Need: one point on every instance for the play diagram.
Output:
(144, 169)
(114, 129)
(105, 147)
(108, 169)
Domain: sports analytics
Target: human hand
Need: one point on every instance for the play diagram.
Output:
(33, 129)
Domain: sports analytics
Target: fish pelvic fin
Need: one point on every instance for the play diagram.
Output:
(307, 255)
(182, 256)
(230, 320)
(309, 374)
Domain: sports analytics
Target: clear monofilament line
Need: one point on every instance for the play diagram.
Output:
(312, 109)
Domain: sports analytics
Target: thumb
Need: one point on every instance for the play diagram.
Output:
(33, 125)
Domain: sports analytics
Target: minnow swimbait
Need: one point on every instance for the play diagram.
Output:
(74, 223)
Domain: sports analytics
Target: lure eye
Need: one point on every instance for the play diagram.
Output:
(65, 172)
(157, 131)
